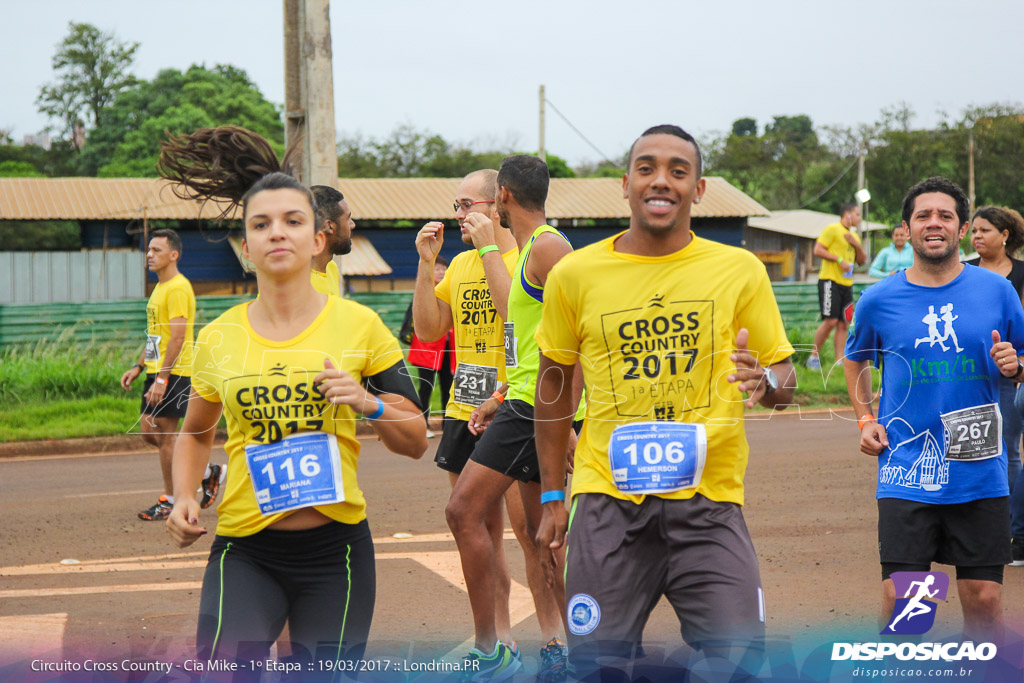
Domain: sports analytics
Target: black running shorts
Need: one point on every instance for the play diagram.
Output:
(457, 443)
(508, 446)
(835, 300)
(972, 534)
(175, 401)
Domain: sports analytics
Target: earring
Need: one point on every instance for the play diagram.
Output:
(697, 201)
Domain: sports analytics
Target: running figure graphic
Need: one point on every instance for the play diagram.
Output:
(916, 607)
(948, 331)
(932, 321)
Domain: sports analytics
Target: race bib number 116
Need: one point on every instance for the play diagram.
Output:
(298, 471)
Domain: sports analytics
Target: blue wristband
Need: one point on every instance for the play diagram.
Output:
(549, 496)
(377, 413)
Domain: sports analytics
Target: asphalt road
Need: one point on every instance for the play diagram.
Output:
(131, 595)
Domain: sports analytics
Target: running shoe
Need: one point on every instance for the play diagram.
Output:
(500, 665)
(554, 662)
(1017, 551)
(813, 363)
(211, 485)
(162, 510)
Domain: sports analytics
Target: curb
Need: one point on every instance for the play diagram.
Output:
(126, 443)
(133, 443)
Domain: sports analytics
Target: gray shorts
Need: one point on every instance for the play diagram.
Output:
(622, 557)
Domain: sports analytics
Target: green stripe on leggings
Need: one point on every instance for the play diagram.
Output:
(348, 599)
(572, 513)
(220, 601)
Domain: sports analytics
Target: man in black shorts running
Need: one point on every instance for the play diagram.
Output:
(167, 362)
(945, 336)
(838, 249)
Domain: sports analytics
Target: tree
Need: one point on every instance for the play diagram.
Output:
(127, 142)
(411, 153)
(744, 127)
(18, 169)
(92, 69)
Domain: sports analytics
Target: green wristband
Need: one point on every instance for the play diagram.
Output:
(489, 247)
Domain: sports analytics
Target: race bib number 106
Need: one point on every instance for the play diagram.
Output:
(657, 457)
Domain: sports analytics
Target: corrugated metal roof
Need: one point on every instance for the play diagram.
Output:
(431, 199)
(362, 260)
(804, 223)
(29, 199)
(369, 198)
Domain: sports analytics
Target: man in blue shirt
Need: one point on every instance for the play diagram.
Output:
(945, 336)
(895, 257)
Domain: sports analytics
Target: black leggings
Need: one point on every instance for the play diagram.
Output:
(321, 580)
(426, 386)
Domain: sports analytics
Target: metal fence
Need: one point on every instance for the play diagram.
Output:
(77, 276)
(99, 321)
(116, 320)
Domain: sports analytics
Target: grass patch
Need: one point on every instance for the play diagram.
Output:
(84, 417)
(57, 389)
(58, 369)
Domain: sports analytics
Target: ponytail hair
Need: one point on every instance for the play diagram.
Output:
(226, 164)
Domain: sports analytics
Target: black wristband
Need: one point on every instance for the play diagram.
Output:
(1020, 369)
(141, 367)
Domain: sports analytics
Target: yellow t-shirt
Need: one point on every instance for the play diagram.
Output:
(479, 330)
(326, 283)
(170, 300)
(833, 237)
(654, 335)
(267, 391)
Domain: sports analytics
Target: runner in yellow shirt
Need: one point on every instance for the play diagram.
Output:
(334, 219)
(669, 329)
(167, 362)
(472, 298)
(506, 454)
(839, 249)
(291, 372)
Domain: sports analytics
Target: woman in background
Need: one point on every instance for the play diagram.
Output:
(997, 234)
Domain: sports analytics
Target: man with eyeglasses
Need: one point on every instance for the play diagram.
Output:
(473, 298)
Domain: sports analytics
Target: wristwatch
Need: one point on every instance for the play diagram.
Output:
(771, 381)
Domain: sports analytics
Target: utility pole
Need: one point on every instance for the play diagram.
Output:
(540, 137)
(309, 89)
(970, 167)
(860, 186)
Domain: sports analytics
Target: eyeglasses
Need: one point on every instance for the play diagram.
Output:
(467, 205)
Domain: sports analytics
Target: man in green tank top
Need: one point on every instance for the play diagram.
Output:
(506, 453)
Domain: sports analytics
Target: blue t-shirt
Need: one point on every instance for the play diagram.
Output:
(940, 387)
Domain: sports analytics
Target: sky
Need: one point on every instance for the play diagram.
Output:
(470, 71)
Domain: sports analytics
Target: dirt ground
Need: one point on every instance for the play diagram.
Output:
(132, 596)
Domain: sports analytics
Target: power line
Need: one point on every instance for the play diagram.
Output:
(830, 186)
(578, 132)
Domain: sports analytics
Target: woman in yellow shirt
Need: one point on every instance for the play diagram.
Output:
(291, 372)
